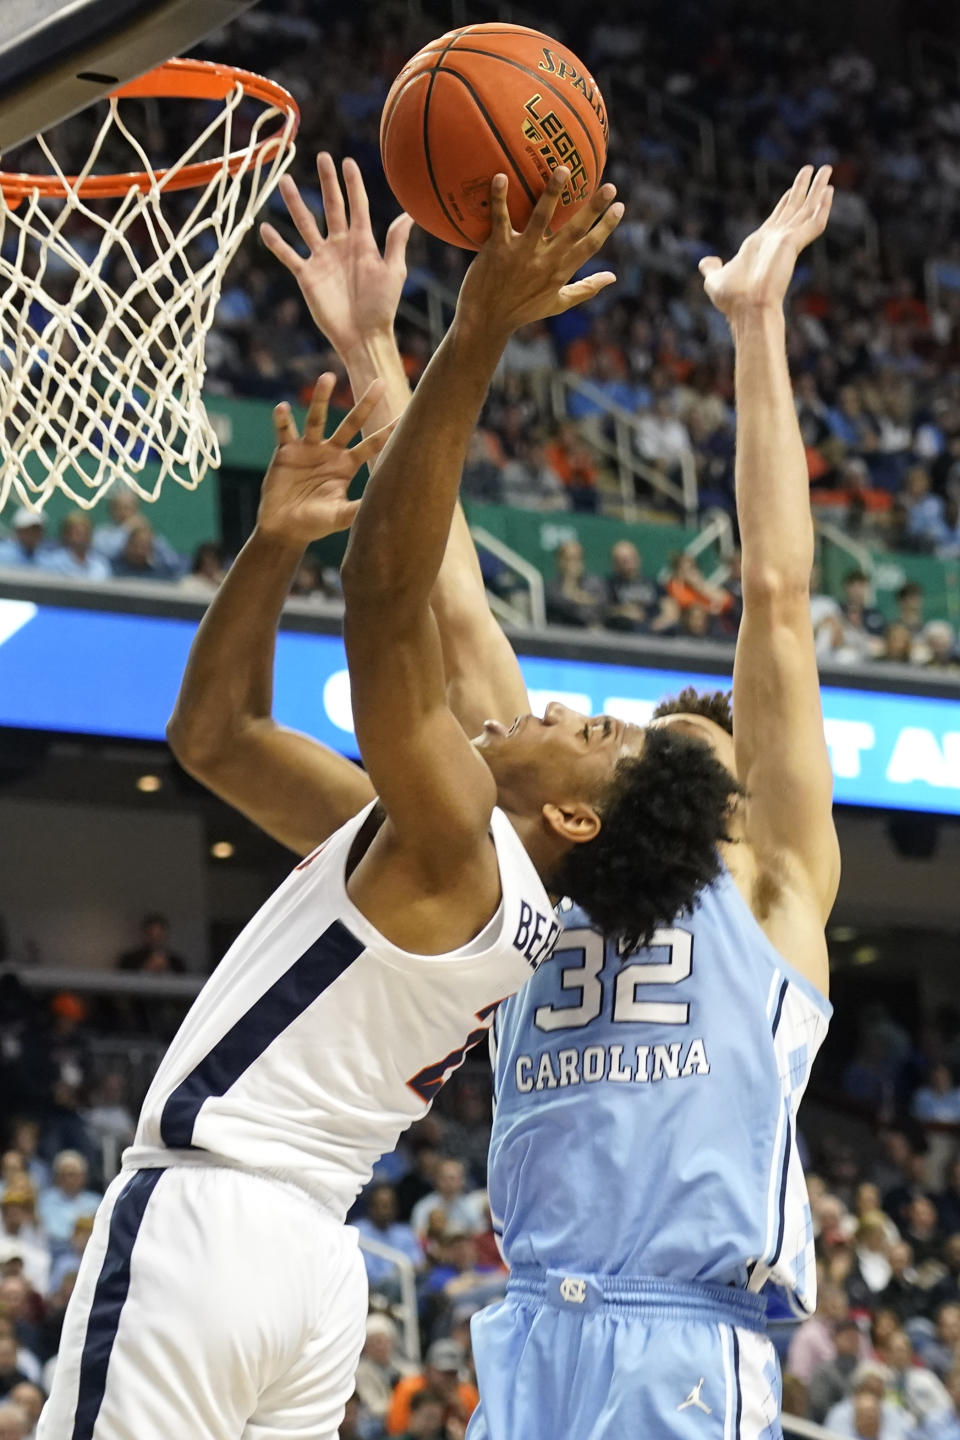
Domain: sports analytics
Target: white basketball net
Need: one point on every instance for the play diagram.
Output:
(105, 384)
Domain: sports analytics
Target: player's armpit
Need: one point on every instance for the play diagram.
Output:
(782, 758)
(290, 785)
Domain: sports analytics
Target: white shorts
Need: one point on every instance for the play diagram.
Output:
(212, 1304)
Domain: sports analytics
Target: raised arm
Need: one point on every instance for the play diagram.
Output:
(438, 794)
(222, 730)
(781, 753)
(352, 292)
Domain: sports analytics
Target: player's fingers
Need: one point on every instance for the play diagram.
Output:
(798, 192)
(815, 194)
(395, 247)
(373, 444)
(596, 238)
(582, 290)
(778, 209)
(284, 425)
(543, 212)
(709, 264)
(317, 413)
(357, 195)
(501, 225)
(816, 223)
(300, 214)
(333, 207)
(587, 217)
(356, 418)
(277, 246)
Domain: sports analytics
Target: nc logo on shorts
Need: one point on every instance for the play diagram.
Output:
(573, 1290)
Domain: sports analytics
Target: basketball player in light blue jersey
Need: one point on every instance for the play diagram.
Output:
(644, 1166)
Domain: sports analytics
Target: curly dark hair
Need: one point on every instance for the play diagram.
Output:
(663, 816)
(711, 704)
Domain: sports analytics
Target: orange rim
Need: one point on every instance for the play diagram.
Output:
(179, 80)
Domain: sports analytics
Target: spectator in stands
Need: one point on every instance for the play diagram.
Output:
(24, 549)
(462, 1211)
(942, 1354)
(946, 1424)
(574, 597)
(153, 956)
(56, 1308)
(573, 460)
(948, 1202)
(123, 507)
(530, 482)
(482, 478)
(30, 1398)
(863, 623)
(925, 519)
(897, 645)
(832, 1381)
(939, 1099)
(921, 1228)
(662, 438)
(468, 1130)
(68, 1261)
(25, 1139)
(74, 559)
(813, 1343)
(11, 1360)
(420, 1179)
(13, 1422)
(903, 1295)
(19, 1234)
(21, 1306)
(315, 584)
(140, 558)
(428, 1417)
(441, 1374)
(351, 1424)
(866, 1414)
(66, 1199)
(910, 603)
(688, 586)
(633, 601)
(379, 1222)
(207, 570)
(380, 1369)
(938, 640)
(872, 1251)
(914, 1388)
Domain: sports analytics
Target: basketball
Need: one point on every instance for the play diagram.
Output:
(482, 100)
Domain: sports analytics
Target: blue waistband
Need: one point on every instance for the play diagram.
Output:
(642, 1296)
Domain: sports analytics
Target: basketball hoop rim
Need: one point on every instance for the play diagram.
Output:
(174, 80)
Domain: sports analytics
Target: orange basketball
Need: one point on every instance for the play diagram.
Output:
(486, 99)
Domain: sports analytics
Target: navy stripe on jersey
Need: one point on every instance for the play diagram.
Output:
(297, 988)
(783, 1191)
(736, 1380)
(109, 1297)
(431, 1078)
(779, 1011)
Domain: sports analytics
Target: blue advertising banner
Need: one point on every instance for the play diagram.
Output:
(107, 673)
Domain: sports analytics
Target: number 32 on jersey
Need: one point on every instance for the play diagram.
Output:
(578, 966)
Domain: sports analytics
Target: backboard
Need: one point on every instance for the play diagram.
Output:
(58, 56)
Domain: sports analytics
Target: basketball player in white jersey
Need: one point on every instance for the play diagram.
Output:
(221, 1296)
(785, 866)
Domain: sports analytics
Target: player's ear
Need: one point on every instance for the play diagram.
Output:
(574, 821)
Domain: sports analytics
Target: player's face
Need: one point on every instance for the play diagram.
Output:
(562, 757)
(698, 727)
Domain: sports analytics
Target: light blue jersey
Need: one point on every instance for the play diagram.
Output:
(646, 1106)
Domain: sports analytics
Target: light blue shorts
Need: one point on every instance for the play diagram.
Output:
(585, 1357)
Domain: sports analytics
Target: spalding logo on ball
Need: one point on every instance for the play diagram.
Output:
(483, 100)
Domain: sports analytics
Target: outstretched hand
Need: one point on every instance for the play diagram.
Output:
(304, 495)
(351, 289)
(521, 276)
(760, 272)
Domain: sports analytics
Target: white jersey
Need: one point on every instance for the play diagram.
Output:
(316, 1042)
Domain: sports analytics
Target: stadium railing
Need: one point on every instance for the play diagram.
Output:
(806, 1429)
(408, 1293)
